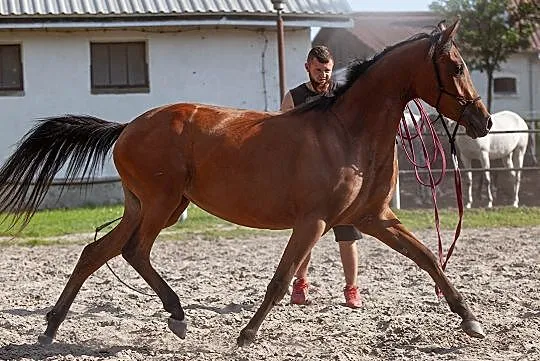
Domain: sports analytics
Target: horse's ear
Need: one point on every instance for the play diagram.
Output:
(441, 25)
(447, 34)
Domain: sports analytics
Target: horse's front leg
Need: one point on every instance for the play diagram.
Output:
(484, 160)
(388, 229)
(467, 165)
(303, 238)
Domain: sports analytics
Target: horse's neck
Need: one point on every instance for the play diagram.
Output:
(378, 97)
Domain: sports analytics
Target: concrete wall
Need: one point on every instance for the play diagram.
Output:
(73, 196)
(228, 67)
(525, 67)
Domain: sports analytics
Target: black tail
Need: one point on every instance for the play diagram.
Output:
(81, 142)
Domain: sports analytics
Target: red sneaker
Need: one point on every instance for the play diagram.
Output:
(352, 297)
(300, 292)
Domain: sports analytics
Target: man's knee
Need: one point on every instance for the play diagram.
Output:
(345, 243)
(347, 233)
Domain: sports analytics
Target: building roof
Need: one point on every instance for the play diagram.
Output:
(372, 32)
(27, 8)
(122, 14)
(379, 29)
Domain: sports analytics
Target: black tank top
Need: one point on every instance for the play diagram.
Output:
(302, 94)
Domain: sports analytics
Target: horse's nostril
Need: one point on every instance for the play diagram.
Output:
(489, 123)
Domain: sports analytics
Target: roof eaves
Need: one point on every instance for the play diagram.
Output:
(64, 8)
(158, 20)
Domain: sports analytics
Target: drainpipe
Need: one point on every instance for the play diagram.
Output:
(531, 86)
(278, 6)
(534, 115)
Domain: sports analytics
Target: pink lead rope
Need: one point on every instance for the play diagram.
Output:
(438, 151)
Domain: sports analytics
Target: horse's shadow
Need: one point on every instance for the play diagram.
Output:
(37, 351)
(230, 308)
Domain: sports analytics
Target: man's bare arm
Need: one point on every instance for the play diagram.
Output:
(287, 103)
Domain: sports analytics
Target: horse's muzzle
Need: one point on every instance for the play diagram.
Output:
(478, 125)
(489, 124)
(475, 130)
(485, 129)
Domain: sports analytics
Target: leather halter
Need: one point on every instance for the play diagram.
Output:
(464, 102)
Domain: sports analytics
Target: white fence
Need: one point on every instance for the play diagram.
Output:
(531, 151)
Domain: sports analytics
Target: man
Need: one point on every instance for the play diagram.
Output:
(319, 67)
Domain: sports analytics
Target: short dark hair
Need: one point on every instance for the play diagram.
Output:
(321, 53)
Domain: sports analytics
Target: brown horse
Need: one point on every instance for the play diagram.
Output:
(331, 162)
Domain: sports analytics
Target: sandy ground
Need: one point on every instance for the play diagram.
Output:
(222, 282)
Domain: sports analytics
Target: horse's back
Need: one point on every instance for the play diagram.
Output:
(170, 122)
(498, 145)
(505, 143)
(507, 120)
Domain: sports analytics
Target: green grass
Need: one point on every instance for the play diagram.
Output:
(472, 218)
(46, 225)
(59, 222)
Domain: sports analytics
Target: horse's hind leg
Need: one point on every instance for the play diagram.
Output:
(92, 258)
(302, 240)
(156, 214)
(389, 230)
(179, 213)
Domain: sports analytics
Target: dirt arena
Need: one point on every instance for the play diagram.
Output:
(222, 282)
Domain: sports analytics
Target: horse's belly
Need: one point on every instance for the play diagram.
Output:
(269, 199)
(502, 147)
(248, 201)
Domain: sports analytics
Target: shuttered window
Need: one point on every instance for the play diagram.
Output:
(119, 67)
(504, 86)
(11, 75)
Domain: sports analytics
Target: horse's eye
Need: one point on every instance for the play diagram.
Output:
(460, 68)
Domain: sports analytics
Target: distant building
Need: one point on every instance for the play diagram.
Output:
(516, 85)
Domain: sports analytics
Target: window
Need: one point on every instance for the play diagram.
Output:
(119, 68)
(11, 76)
(504, 86)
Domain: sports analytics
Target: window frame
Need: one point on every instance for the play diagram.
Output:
(511, 93)
(125, 87)
(19, 89)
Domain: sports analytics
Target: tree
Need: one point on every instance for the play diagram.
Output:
(491, 30)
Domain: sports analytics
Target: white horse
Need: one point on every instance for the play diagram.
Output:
(422, 194)
(510, 147)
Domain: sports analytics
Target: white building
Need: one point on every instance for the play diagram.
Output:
(115, 59)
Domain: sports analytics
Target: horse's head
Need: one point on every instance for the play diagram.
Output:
(450, 89)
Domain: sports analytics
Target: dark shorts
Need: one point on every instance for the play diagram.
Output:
(346, 233)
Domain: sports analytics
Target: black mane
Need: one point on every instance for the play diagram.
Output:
(358, 67)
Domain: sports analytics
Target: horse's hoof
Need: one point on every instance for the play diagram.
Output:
(179, 328)
(473, 328)
(246, 337)
(45, 340)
